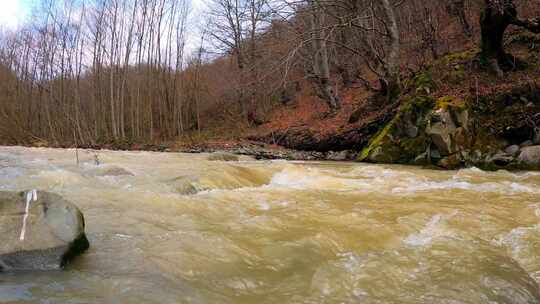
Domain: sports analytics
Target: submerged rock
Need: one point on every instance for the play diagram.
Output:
(45, 238)
(185, 185)
(113, 171)
(222, 156)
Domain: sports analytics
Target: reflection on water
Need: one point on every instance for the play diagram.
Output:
(176, 228)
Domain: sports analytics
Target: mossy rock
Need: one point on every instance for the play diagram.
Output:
(378, 140)
(422, 83)
(450, 102)
(391, 144)
(412, 147)
(524, 37)
(418, 103)
(456, 75)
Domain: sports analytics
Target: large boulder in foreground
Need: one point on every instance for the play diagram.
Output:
(49, 236)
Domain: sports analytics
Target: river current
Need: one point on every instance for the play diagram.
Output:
(177, 228)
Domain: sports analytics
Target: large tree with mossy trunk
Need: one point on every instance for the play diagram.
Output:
(497, 16)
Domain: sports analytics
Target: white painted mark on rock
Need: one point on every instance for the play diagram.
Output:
(30, 196)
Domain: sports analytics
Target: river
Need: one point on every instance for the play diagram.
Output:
(182, 229)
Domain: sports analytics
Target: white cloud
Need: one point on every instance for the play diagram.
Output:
(11, 12)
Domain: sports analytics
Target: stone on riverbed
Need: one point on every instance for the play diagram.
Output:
(53, 234)
(222, 156)
(113, 171)
(185, 185)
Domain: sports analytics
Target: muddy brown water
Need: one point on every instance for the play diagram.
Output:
(182, 229)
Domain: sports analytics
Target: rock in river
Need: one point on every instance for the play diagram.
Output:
(39, 231)
(112, 171)
(530, 155)
(222, 156)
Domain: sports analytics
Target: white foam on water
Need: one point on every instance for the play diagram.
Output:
(123, 236)
(376, 172)
(434, 229)
(514, 239)
(473, 170)
(500, 187)
(11, 172)
(264, 206)
(14, 293)
(38, 161)
(521, 188)
(351, 261)
(282, 203)
(374, 180)
(312, 178)
(380, 179)
(526, 174)
(59, 177)
(536, 276)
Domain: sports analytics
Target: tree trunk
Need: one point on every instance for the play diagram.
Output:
(494, 21)
(456, 8)
(497, 16)
(320, 63)
(391, 83)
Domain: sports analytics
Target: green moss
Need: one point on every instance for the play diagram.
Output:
(451, 68)
(405, 148)
(446, 102)
(378, 139)
(458, 57)
(484, 141)
(412, 147)
(524, 37)
(418, 103)
(423, 82)
(456, 75)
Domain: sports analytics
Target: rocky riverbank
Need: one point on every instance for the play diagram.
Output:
(495, 131)
(456, 114)
(262, 151)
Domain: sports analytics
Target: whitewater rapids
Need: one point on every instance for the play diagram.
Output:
(177, 228)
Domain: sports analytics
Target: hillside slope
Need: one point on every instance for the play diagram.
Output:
(454, 113)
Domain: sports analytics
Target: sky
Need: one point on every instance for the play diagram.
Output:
(13, 11)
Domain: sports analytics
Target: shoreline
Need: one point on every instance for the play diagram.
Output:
(258, 150)
(261, 151)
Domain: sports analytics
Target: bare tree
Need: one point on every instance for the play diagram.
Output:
(497, 16)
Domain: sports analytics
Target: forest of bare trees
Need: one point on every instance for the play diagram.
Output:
(88, 72)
